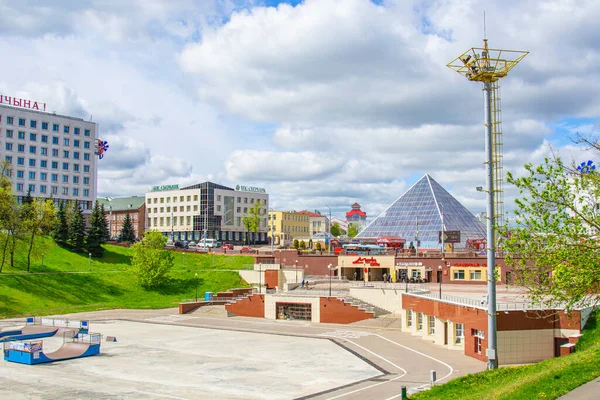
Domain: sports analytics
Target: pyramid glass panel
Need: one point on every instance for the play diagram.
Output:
(424, 204)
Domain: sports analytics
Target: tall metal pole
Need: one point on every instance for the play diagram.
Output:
(491, 250)
(443, 244)
(110, 222)
(417, 240)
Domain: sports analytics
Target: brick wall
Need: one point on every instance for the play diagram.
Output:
(271, 278)
(253, 306)
(335, 311)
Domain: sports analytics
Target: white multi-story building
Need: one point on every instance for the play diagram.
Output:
(51, 155)
(205, 210)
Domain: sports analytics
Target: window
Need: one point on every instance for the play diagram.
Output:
(43, 176)
(21, 121)
(31, 188)
(8, 146)
(65, 190)
(54, 152)
(238, 209)
(32, 137)
(54, 189)
(21, 135)
(32, 162)
(459, 274)
(419, 321)
(86, 132)
(31, 175)
(75, 179)
(66, 129)
(9, 134)
(33, 124)
(76, 131)
(180, 198)
(478, 337)
(66, 166)
(45, 126)
(86, 192)
(54, 164)
(86, 156)
(54, 139)
(9, 121)
(54, 177)
(19, 186)
(21, 161)
(65, 142)
(44, 164)
(86, 145)
(54, 127)
(8, 159)
(459, 333)
(75, 192)
(188, 208)
(32, 149)
(65, 178)
(20, 174)
(65, 154)
(42, 188)
(431, 325)
(475, 275)
(76, 167)
(44, 138)
(189, 198)
(195, 197)
(76, 143)
(409, 320)
(86, 168)
(44, 151)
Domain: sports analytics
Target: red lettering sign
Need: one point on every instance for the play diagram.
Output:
(364, 260)
(17, 102)
(484, 265)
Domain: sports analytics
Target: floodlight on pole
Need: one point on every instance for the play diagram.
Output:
(488, 66)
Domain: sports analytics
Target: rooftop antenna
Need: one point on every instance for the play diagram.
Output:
(484, 30)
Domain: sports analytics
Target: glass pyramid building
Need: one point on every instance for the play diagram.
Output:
(420, 208)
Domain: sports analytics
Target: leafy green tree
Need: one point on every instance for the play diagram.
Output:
(251, 220)
(296, 243)
(127, 232)
(105, 227)
(9, 214)
(95, 235)
(37, 217)
(151, 262)
(302, 245)
(61, 229)
(553, 245)
(77, 228)
(319, 246)
(335, 229)
(353, 230)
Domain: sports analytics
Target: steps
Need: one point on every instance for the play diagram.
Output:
(363, 305)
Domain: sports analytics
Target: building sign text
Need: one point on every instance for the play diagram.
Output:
(250, 189)
(164, 187)
(18, 102)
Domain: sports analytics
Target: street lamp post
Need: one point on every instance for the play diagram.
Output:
(440, 279)
(90, 262)
(329, 228)
(296, 269)
(260, 278)
(365, 274)
(196, 287)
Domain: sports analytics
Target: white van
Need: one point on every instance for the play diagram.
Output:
(207, 243)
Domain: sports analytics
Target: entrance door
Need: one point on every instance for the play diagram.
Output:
(445, 330)
(508, 278)
(429, 276)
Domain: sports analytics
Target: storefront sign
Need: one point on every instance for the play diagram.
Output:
(484, 265)
(364, 260)
(18, 102)
(250, 189)
(409, 264)
(164, 187)
(449, 236)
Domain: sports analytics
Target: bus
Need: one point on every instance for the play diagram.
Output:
(364, 249)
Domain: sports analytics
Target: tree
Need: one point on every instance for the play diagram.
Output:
(105, 227)
(296, 244)
(9, 214)
(554, 246)
(151, 262)
(318, 246)
(251, 220)
(335, 229)
(37, 216)
(95, 236)
(127, 232)
(302, 245)
(61, 229)
(77, 229)
(353, 230)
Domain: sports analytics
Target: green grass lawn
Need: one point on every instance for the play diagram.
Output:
(548, 379)
(65, 284)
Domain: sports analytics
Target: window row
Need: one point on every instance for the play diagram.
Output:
(32, 162)
(43, 176)
(44, 151)
(33, 137)
(168, 199)
(175, 209)
(459, 329)
(33, 124)
(53, 190)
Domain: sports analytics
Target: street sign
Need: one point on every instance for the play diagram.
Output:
(449, 236)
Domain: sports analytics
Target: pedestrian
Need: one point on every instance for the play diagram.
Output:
(355, 275)
(302, 283)
(307, 284)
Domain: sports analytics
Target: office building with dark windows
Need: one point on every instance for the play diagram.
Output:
(51, 155)
(206, 210)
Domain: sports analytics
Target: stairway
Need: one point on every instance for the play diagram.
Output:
(363, 305)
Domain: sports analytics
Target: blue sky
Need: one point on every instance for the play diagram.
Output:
(320, 102)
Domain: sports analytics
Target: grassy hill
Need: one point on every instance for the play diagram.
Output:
(69, 282)
(548, 379)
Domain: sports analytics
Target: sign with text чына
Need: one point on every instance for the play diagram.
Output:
(162, 188)
(449, 236)
(18, 102)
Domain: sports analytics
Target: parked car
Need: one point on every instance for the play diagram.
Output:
(227, 246)
(181, 245)
(192, 244)
(247, 249)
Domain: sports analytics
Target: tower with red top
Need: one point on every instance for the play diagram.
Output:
(356, 216)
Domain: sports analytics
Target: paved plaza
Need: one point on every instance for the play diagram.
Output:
(160, 354)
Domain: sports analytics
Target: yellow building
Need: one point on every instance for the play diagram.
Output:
(287, 225)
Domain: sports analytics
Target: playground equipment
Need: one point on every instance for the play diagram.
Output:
(32, 352)
(37, 328)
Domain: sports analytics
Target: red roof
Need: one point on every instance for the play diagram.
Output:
(359, 212)
(310, 213)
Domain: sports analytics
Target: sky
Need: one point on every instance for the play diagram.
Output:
(321, 102)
